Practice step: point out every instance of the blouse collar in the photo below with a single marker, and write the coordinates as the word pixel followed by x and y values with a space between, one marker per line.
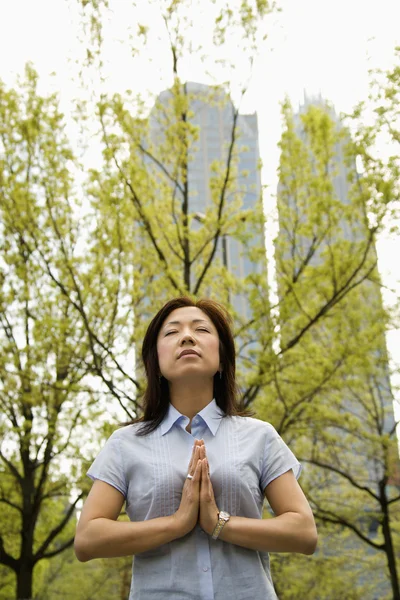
pixel 211 415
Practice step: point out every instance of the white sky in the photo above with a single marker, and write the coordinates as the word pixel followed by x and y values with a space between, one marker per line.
pixel 317 46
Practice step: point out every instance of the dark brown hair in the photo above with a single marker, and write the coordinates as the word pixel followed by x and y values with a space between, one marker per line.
pixel 156 396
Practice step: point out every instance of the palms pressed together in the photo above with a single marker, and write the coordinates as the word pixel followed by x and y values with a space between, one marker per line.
pixel 198 501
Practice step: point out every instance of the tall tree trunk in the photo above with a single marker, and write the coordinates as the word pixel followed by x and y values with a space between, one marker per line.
pixel 24 581
pixel 185 203
pixel 390 554
pixel 26 562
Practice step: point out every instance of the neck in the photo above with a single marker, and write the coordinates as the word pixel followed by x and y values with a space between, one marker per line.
pixel 189 397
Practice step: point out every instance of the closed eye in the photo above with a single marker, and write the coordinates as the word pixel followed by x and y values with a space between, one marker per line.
pixel 198 329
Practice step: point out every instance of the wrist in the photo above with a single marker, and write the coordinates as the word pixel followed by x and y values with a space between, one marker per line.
pixel 223 519
pixel 212 525
pixel 226 531
pixel 176 527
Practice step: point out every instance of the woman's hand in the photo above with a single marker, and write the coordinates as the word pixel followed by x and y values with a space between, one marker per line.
pixel 208 507
pixel 187 514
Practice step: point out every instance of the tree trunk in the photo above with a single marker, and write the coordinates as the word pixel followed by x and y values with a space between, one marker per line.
pixel 390 555
pixel 24 581
pixel 29 517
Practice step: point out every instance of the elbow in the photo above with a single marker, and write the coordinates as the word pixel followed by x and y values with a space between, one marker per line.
pixel 80 549
pixel 81 557
pixel 311 541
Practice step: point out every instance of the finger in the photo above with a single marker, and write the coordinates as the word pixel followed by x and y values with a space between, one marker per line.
pixel 207 477
pixel 204 475
pixel 204 458
pixel 197 473
pixel 193 459
pixel 210 485
pixel 202 478
pixel 196 459
pixel 204 451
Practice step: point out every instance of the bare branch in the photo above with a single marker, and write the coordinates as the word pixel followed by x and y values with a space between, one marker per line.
pixel 11 467
pixel 60 549
pixel 93 338
pixel 54 532
pixel 161 167
pixel 343 474
pixel 329 517
pixel 208 241
pixel 393 500
pixel 4 500
pixel 221 202
pixel 10 336
pixel 335 298
pixel 6 559
pixel 137 203
pixel 165 237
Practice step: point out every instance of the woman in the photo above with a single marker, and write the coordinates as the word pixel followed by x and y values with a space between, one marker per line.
pixel 194 473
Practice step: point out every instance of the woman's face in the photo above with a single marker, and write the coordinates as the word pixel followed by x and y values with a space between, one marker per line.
pixel 188 345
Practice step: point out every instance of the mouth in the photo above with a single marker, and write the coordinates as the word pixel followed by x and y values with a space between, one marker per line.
pixel 188 353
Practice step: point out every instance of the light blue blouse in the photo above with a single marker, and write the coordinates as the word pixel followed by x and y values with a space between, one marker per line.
pixel 244 455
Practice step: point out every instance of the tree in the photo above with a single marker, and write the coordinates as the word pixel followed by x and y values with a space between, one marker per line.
pixel 44 354
pixel 331 392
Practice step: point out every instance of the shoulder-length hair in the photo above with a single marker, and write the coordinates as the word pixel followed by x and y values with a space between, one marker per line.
pixel 156 396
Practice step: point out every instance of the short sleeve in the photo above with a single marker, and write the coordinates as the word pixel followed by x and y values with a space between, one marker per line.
pixel 108 466
pixel 277 460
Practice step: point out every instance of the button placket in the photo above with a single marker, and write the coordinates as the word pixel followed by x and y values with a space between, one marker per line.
pixel 204 565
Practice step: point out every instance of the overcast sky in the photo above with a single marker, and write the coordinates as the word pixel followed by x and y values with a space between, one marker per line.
pixel 314 46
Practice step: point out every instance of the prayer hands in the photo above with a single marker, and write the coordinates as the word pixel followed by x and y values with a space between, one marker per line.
pixel 187 514
pixel 208 516
pixel 198 501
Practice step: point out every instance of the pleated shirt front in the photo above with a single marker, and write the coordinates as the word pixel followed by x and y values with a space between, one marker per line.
pixel 244 455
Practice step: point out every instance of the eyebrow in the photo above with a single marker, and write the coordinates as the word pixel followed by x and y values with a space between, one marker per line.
pixel 193 321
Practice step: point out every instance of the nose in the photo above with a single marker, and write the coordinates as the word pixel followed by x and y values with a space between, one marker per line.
pixel 187 338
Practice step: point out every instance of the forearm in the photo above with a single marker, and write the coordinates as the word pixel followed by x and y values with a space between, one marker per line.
pixel 105 538
pixel 289 532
